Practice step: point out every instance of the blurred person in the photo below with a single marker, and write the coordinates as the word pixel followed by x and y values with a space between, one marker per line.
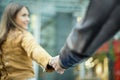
pixel 100 23
pixel 18 47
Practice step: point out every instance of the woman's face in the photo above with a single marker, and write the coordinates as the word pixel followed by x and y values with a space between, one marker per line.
pixel 22 18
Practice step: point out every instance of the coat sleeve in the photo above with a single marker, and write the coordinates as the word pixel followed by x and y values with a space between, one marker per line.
pixel 81 39
pixel 36 52
pixel 72 51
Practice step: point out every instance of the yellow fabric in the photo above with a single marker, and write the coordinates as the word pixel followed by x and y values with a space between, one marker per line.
pixel 18 51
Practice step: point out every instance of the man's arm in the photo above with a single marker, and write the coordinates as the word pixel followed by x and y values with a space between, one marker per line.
pixel 83 34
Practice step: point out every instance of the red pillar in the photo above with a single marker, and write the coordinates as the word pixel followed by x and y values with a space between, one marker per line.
pixel 116 48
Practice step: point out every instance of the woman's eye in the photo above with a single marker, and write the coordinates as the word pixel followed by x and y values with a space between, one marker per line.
pixel 24 15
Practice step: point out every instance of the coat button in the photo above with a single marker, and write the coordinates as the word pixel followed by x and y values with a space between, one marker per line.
pixel 1 66
pixel 6 63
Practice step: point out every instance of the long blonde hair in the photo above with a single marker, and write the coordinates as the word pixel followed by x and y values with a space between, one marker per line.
pixel 8 20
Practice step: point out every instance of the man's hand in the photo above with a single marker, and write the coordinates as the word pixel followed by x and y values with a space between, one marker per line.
pixel 54 62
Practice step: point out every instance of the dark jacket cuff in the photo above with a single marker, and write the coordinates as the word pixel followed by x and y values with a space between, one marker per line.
pixel 70 58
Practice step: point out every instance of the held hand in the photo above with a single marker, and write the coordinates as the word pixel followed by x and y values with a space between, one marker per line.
pixel 54 62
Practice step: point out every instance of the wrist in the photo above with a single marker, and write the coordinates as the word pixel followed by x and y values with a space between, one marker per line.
pixel 61 65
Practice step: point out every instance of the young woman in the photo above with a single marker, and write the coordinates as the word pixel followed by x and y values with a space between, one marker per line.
pixel 18 47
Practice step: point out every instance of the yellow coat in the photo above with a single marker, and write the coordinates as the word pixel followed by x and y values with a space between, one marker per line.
pixel 18 51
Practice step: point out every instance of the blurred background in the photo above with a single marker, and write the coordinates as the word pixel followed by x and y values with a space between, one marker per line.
pixel 51 21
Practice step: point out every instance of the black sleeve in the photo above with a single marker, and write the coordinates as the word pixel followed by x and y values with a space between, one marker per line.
pixel 84 33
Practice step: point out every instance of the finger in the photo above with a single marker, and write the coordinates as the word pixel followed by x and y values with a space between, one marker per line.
pixel 52 61
pixel 60 71
pixel 54 66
